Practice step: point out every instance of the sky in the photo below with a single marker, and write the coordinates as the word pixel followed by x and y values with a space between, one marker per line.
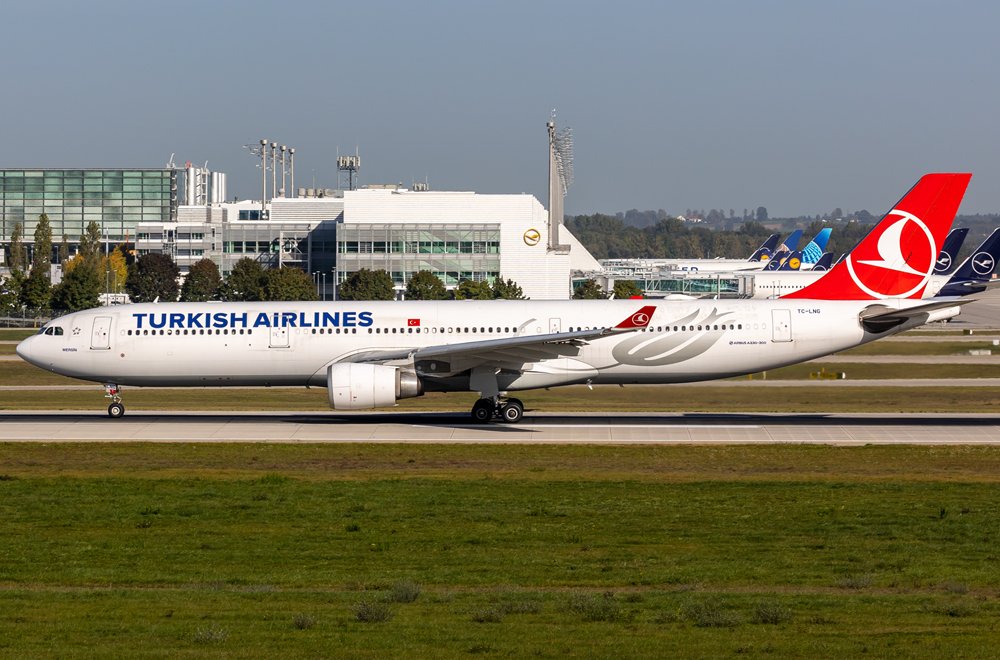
pixel 794 105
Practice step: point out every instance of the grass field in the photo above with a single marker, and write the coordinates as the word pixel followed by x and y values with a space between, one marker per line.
pixel 434 551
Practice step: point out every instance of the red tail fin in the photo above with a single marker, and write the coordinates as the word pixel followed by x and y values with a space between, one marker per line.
pixel 638 320
pixel 897 257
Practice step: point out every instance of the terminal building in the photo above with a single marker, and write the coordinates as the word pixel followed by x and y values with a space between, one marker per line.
pixel 329 234
pixel 116 199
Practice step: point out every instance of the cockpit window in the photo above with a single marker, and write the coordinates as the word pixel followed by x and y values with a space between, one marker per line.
pixel 53 330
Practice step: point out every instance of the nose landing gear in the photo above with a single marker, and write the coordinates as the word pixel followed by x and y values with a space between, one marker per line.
pixel 508 410
pixel 116 409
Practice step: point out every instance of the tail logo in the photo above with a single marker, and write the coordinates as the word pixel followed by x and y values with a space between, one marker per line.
pixel 944 262
pixel 983 263
pixel 904 259
pixel 640 318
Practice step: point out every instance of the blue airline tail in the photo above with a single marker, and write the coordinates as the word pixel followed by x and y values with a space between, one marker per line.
pixel 975 273
pixel 824 262
pixel 814 249
pixel 793 262
pixel 766 249
pixel 952 244
pixel 790 245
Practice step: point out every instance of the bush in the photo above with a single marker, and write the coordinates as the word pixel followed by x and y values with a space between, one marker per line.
pixel 487 615
pixel 210 635
pixel 862 581
pixel 772 613
pixel 372 611
pixel 404 592
pixel 303 622
pixel 710 614
pixel 596 608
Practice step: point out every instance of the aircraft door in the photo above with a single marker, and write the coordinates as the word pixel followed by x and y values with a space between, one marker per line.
pixel 781 325
pixel 555 325
pixel 279 337
pixel 100 337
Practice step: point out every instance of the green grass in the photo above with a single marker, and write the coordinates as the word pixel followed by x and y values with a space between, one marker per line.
pixel 246 550
pixel 9 334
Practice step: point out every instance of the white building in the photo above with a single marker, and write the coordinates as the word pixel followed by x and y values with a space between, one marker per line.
pixel 455 235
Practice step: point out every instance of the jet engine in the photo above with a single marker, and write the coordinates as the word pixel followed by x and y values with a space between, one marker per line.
pixel 357 386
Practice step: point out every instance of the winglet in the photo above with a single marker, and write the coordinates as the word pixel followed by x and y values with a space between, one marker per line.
pixel 897 257
pixel 638 320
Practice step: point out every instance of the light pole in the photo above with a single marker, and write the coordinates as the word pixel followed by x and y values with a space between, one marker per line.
pixel 323 293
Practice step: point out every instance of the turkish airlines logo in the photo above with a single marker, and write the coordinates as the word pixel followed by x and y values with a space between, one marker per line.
pixel 640 318
pixel 983 263
pixel 899 263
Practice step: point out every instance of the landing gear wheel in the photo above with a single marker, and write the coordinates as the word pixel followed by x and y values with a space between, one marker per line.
pixel 116 410
pixel 512 411
pixel 482 411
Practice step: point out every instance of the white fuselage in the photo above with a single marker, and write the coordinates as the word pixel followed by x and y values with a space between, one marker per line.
pixel 292 343
pixel 774 284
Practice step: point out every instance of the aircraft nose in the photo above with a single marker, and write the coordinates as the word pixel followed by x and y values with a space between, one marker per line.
pixel 24 349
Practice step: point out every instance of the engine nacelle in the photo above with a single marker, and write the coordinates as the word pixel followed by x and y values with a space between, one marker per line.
pixel 356 386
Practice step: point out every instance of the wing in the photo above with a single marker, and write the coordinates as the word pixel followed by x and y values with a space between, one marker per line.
pixel 504 353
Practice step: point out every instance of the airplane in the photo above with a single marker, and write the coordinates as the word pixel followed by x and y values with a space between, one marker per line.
pixel 973 275
pixel 372 354
pixel 787 247
pixel 766 249
pixel 952 246
pixel 755 261
pixel 813 250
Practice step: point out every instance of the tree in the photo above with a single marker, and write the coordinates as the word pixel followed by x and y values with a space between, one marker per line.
pixel 152 276
pixel 507 290
pixel 17 258
pixel 245 282
pixel 367 285
pixel 37 289
pixel 625 289
pixel 588 290
pixel 115 269
pixel 80 287
pixel 761 214
pixel 288 283
pixel 90 242
pixel 471 290
pixel 202 282
pixel 63 250
pixel 10 289
pixel 425 285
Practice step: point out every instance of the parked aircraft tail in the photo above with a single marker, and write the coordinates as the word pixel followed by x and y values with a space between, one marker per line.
pixel 793 262
pixel 952 245
pixel 976 272
pixel 824 263
pixel 766 249
pixel 896 258
pixel 814 248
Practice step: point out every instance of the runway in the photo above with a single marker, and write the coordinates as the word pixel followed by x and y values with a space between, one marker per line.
pixel 536 428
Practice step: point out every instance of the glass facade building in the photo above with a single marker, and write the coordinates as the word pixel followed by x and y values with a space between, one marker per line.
pixel 453 252
pixel 116 199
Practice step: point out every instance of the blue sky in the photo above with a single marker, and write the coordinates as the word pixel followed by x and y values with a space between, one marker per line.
pixel 797 106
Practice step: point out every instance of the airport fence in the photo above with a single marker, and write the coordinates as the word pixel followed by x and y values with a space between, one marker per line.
pixel 27 318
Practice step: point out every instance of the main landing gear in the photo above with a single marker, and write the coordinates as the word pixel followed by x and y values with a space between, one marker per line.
pixel 113 392
pixel 507 410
